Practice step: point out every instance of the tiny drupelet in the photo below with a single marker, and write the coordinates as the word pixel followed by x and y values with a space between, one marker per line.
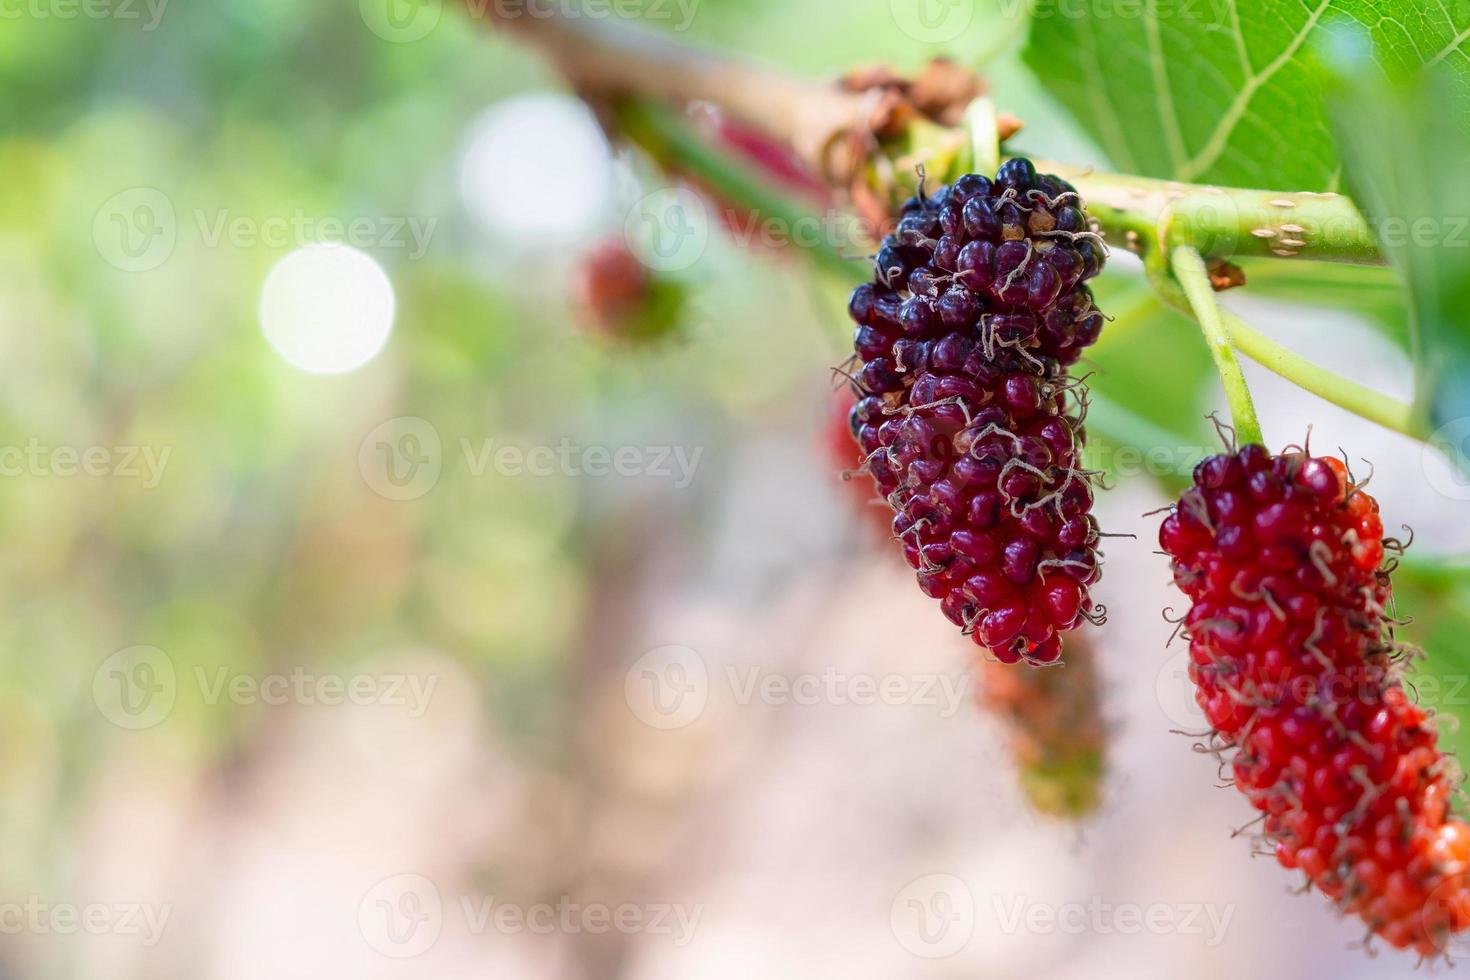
pixel 1296 669
pixel 976 310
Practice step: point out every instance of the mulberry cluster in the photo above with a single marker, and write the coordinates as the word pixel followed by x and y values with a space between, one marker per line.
pixel 977 308
pixel 1296 670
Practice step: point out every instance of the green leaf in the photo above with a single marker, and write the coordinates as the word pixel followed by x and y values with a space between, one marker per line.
pixel 1405 165
pixel 1435 596
pixel 1227 91
pixel 1372 292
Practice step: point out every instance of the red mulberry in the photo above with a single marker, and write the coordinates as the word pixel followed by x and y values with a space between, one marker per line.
pixel 976 310
pixel 1296 670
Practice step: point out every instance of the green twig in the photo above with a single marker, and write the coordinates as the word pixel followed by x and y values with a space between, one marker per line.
pixel 1342 392
pixel 1143 214
pixel 984 126
pixel 665 136
pixel 1192 276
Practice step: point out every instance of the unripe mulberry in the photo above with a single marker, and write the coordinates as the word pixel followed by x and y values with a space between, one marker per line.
pixel 1292 653
pixel 977 307
pixel 620 298
pixel 1057 732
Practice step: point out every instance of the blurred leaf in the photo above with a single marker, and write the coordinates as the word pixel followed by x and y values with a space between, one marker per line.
pixel 1405 150
pixel 1136 406
pixel 1435 597
pixel 1374 292
pixel 902 33
pixel 1225 92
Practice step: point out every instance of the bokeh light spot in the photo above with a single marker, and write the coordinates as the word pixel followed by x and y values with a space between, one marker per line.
pixel 327 308
pixel 537 167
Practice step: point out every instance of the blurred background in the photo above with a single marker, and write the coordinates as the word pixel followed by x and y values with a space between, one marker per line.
pixel 377 603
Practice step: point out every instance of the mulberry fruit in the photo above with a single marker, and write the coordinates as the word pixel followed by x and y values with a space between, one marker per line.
pixel 977 308
pixel 1057 732
pixel 1296 669
pixel 621 299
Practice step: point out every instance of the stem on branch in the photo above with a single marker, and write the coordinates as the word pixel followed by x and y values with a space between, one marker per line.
pixel 1141 213
pixel 671 141
pixel 984 126
pixel 1190 272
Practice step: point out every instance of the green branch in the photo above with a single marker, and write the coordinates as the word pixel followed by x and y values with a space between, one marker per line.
pixel 668 139
pixel 1194 279
pixel 1145 215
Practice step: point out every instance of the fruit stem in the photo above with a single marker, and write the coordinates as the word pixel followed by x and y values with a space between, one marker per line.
pixel 984 127
pixel 1190 272
pixel 1342 392
pixel 673 143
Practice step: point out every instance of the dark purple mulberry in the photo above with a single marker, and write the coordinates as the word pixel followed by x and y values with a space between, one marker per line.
pixel 976 310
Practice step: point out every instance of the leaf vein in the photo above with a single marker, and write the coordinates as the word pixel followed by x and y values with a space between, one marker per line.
pixel 1449 49
pixel 1210 152
pixel 1163 92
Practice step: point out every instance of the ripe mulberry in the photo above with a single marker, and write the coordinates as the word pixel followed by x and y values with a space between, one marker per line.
pixel 1296 669
pixel 977 308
